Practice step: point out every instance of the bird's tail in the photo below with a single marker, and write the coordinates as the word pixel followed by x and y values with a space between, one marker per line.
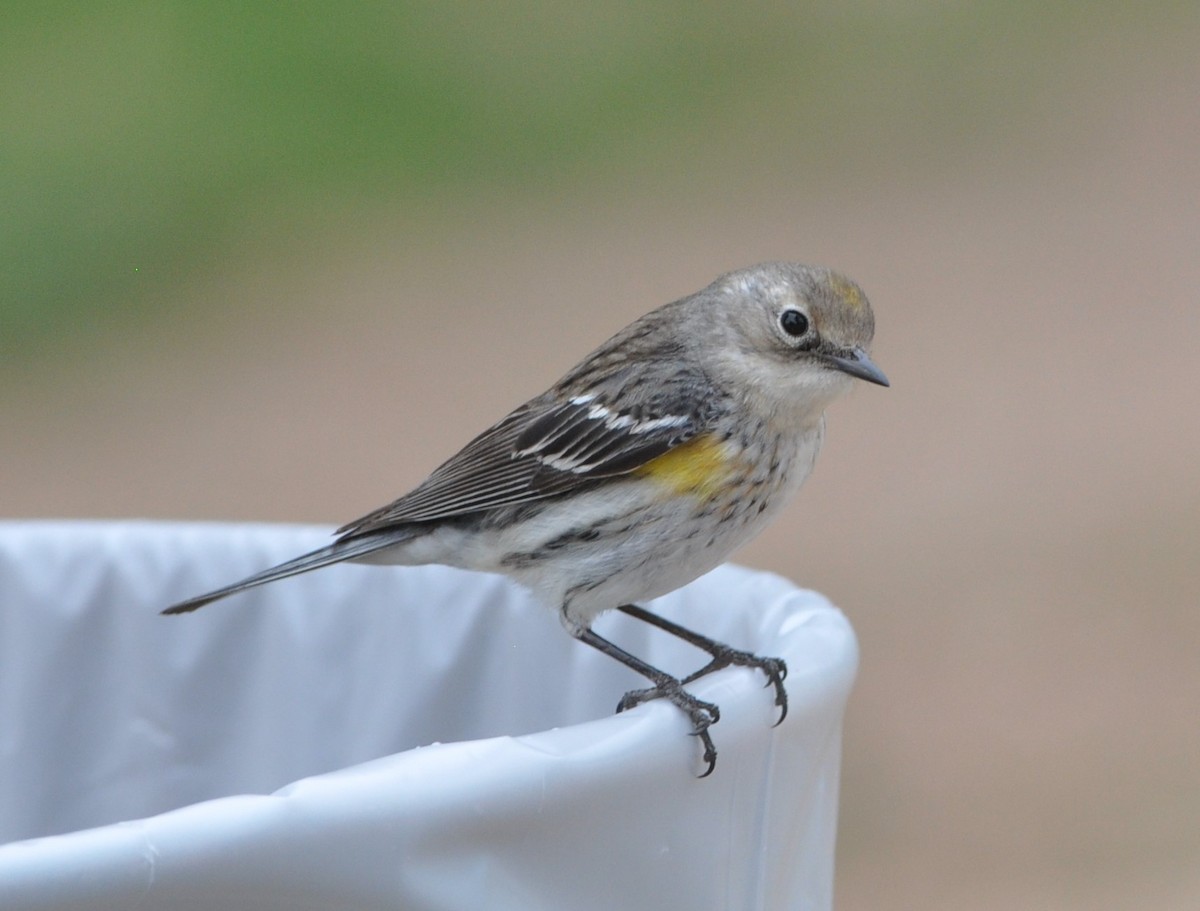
pixel 337 552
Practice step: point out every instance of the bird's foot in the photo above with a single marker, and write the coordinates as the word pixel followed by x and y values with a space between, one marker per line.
pixel 774 668
pixel 702 714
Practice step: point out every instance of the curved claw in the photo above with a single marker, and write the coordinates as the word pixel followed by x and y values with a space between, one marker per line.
pixel 710 752
pixel 722 656
pixel 702 714
pixel 634 698
pixel 783 709
pixel 776 671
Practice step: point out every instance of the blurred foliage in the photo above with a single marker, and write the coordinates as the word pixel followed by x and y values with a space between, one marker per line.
pixel 139 138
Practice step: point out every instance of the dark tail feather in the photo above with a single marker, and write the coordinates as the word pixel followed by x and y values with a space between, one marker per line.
pixel 337 552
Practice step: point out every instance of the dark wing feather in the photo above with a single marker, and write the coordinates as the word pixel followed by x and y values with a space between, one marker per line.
pixel 483 474
pixel 553 445
pixel 588 438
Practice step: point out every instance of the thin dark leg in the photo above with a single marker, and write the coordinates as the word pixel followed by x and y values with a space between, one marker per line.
pixel 722 655
pixel 702 714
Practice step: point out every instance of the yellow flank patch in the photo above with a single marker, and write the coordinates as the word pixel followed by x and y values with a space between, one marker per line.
pixel 699 466
pixel 846 290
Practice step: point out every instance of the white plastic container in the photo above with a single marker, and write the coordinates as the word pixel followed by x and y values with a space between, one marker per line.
pixel 384 738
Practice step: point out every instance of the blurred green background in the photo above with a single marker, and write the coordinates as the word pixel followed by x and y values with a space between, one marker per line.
pixel 143 142
pixel 277 261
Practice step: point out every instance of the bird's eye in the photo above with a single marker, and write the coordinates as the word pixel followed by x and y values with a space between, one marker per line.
pixel 793 322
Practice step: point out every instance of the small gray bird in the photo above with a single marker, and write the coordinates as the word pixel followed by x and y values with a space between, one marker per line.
pixel 666 448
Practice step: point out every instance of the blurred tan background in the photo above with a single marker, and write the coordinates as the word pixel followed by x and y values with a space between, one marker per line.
pixel 278 268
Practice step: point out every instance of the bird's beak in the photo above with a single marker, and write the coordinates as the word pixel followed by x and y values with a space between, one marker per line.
pixel 856 363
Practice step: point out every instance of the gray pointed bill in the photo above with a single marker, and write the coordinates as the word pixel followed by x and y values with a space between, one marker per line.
pixel 856 363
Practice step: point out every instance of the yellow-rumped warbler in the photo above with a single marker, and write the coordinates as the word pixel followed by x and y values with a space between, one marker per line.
pixel 666 448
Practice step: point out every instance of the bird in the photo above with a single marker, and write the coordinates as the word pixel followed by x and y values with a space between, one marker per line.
pixel 659 454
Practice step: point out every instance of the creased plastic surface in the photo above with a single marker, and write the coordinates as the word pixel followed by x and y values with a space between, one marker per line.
pixel 370 738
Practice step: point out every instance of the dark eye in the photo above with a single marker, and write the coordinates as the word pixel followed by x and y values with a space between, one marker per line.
pixel 793 322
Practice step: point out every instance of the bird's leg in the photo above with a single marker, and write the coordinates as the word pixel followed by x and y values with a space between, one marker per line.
pixel 702 714
pixel 722 655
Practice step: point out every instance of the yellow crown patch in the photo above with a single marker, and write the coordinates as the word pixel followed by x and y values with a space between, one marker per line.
pixel 851 296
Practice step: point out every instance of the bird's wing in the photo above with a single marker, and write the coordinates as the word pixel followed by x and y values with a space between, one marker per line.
pixel 552 445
